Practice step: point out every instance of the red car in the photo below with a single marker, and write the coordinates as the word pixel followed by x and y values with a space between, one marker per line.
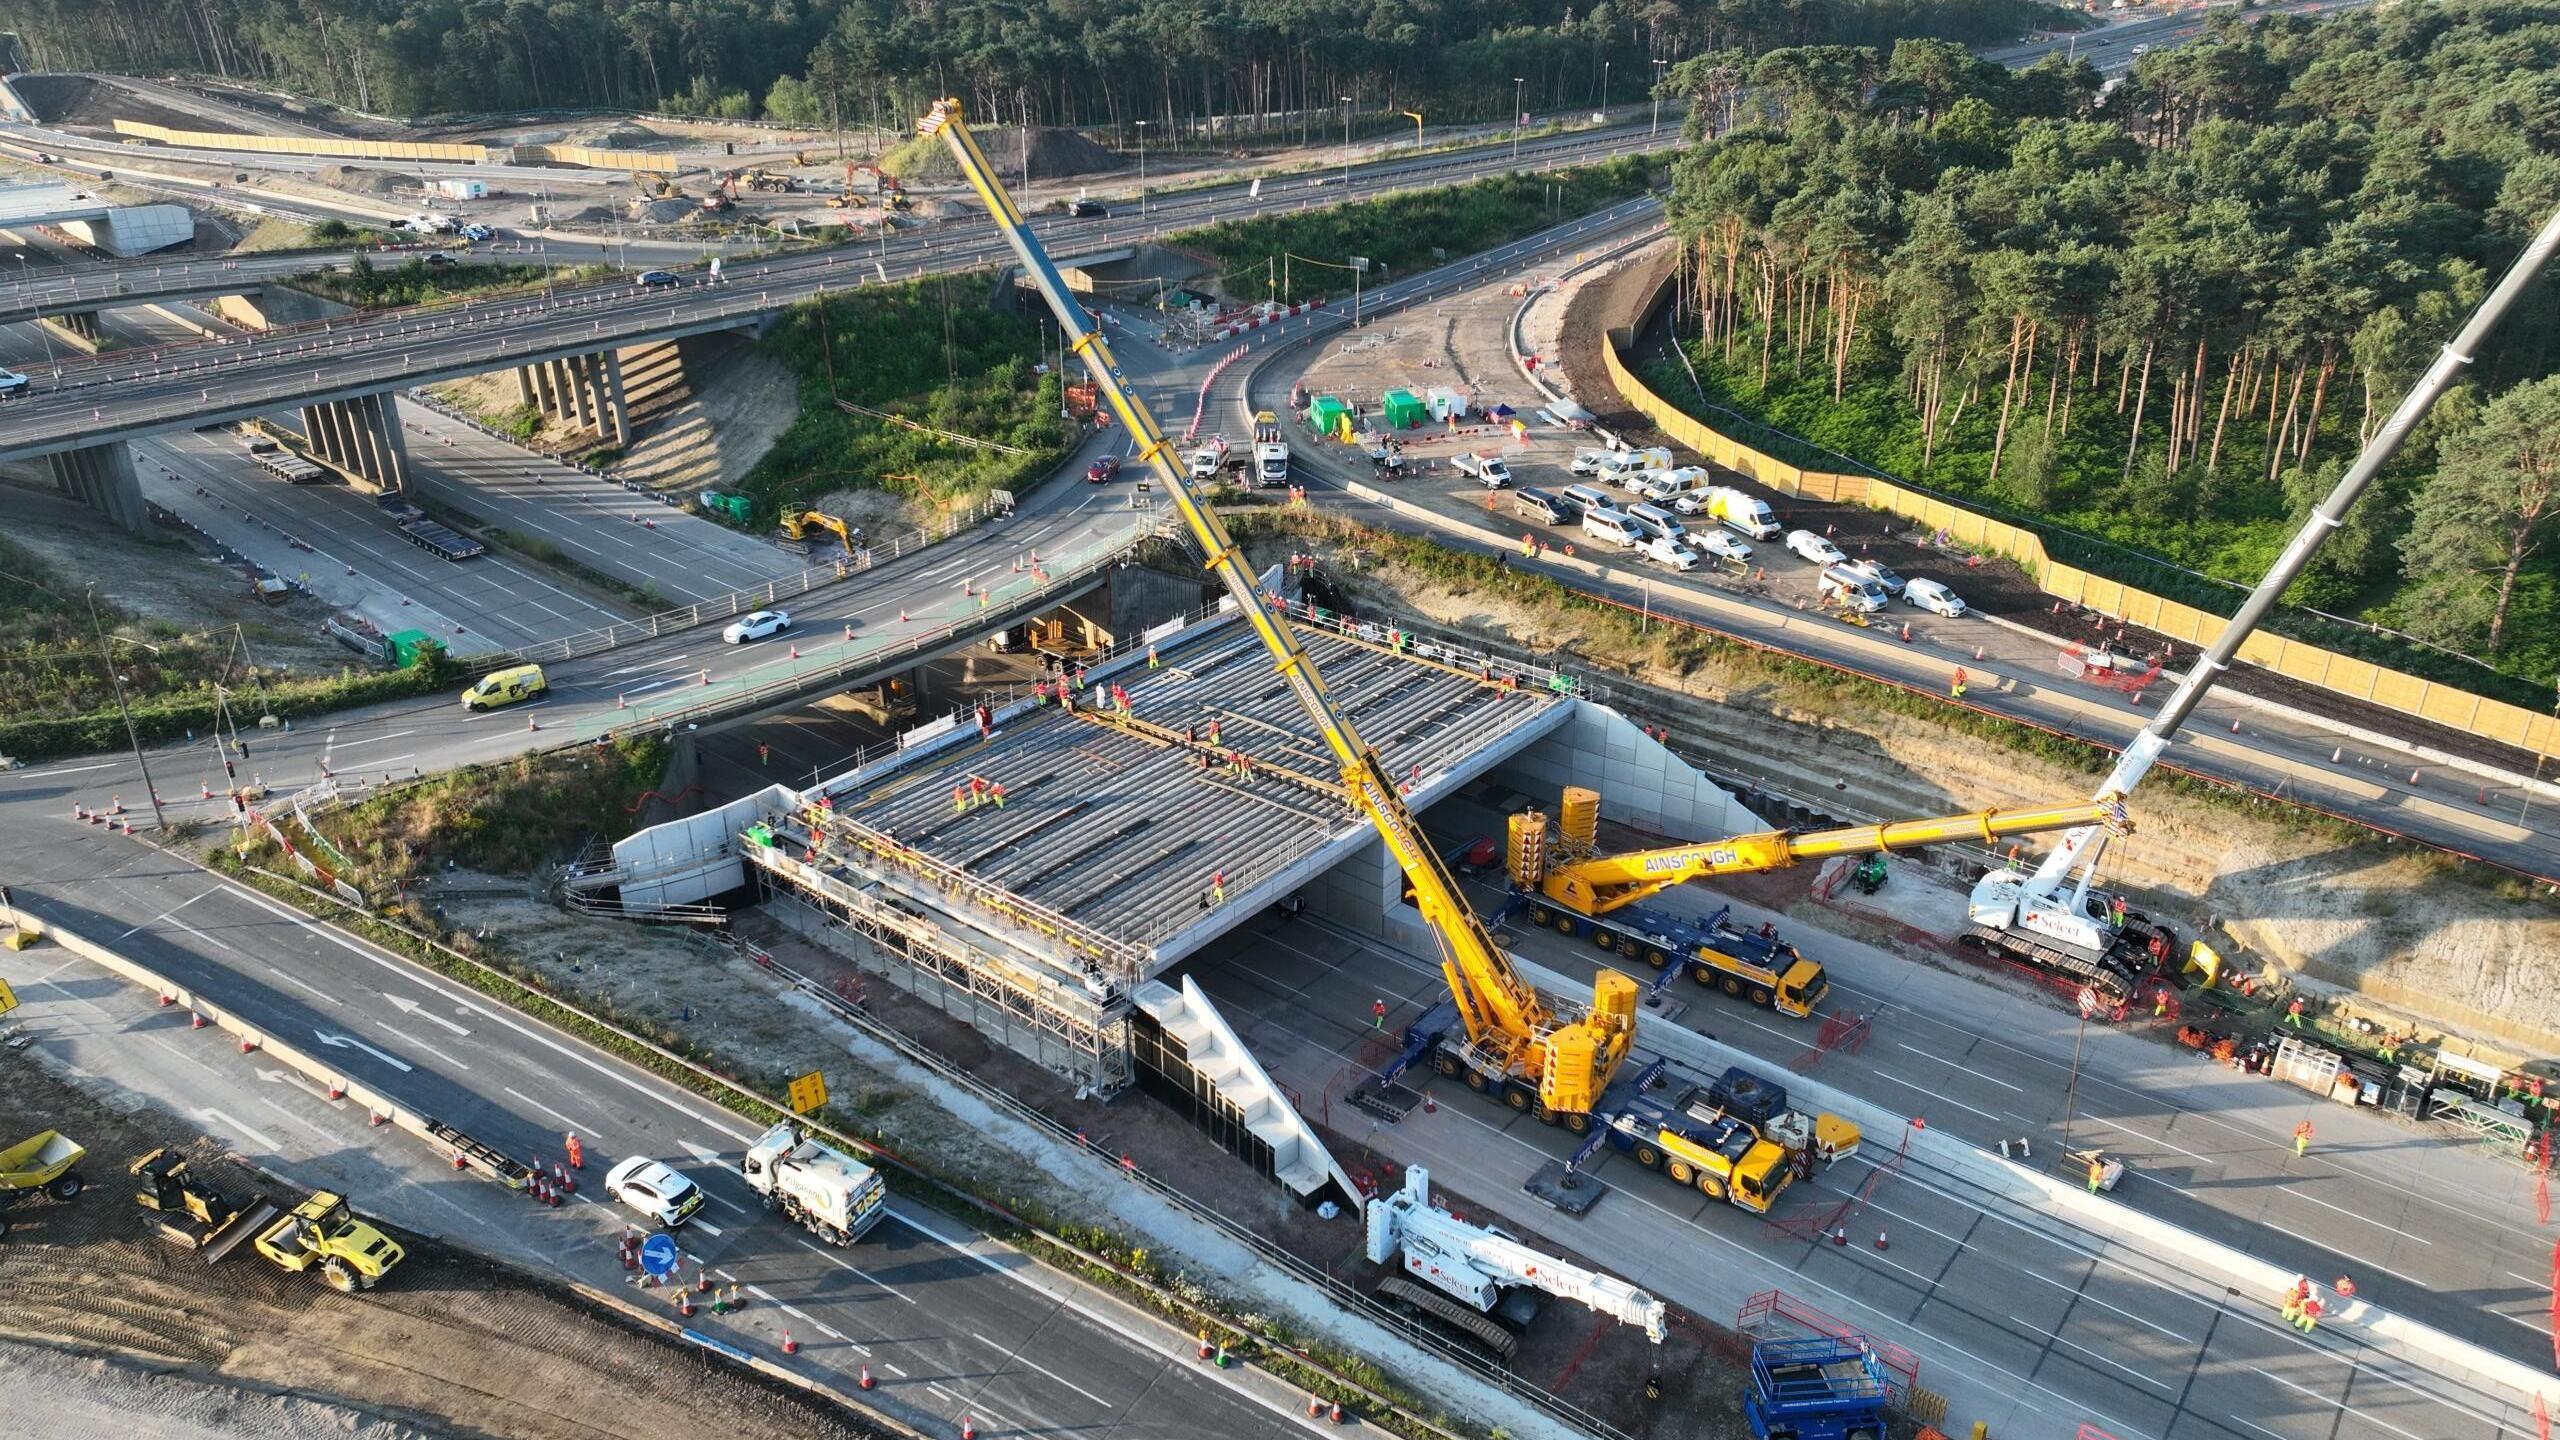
pixel 1102 469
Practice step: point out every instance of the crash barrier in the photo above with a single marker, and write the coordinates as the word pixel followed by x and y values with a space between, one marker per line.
pixel 302 145
pixel 1200 406
pixel 2428 700
pixel 469 1154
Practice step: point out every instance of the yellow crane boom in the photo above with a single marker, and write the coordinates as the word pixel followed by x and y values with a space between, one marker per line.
pixel 1598 886
pixel 1568 1060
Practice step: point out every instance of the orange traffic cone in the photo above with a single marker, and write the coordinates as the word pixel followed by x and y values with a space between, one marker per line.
pixel 1880 1240
pixel 789 1345
pixel 866 1382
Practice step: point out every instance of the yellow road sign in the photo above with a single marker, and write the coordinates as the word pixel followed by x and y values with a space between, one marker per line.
pixel 8 998
pixel 808 1092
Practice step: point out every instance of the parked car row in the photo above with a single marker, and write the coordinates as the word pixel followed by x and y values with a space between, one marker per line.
pixel 1646 519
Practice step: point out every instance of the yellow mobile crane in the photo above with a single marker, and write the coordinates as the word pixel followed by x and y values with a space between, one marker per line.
pixel 1599 895
pixel 1542 1054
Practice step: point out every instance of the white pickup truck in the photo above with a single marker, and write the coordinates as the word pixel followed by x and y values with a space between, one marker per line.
pixel 1488 470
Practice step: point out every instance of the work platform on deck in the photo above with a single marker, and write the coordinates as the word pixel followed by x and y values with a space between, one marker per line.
pixel 1121 830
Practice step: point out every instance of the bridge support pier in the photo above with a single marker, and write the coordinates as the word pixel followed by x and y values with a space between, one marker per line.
pixel 77 329
pixel 584 391
pixel 102 478
pixel 361 439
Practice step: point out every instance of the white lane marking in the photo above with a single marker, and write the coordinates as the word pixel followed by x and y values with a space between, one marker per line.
pixel 209 940
pixel 575 1124
pixel 411 974
pixel 2103 1360
pixel 843 1264
pixel 706 1227
pixel 2336 1404
pixel 2369 1220
pixel 1932 1094
pixel 343 1042
pixel 1969 1070
pixel 375 740
pixel 2082 1292
pixel 719 1199
pixel 2538 1327
pixel 416 1011
pixel 163 915
pixel 893 1369
pixel 1019 1358
pixel 423 1045
pixel 69 770
pixel 301 984
pixel 209 1113
pixel 804 1317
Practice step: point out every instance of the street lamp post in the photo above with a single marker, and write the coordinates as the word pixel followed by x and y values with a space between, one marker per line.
pixel 1142 167
pixel 1658 67
pixel 159 820
pixel 1519 117
pixel 1604 87
pixel 1416 117
pixel 1346 142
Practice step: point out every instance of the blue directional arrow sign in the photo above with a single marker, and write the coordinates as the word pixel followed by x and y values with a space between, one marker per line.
pixel 658 1254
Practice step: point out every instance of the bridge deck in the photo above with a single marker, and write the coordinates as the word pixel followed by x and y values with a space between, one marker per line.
pixel 1123 831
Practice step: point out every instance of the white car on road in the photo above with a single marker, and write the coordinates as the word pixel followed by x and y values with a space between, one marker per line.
pixel 653 1188
pixel 756 626
pixel 1814 548
pixel 1722 544
pixel 11 382
pixel 1933 597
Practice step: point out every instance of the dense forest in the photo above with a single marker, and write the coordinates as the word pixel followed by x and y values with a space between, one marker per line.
pixel 2166 311
pixel 1179 64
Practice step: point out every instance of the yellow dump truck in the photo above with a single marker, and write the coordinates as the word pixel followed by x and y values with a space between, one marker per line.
pixel 43 1164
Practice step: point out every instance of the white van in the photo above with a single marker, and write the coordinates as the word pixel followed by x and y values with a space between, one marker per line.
pixel 1625 467
pixel 1852 589
pixel 1589 497
pixel 1664 486
pixel 1587 461
pixel 1654 520
pixel 1613 526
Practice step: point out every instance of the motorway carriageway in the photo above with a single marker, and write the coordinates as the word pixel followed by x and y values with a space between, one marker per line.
pixel 950 1322
pixel 2032 1323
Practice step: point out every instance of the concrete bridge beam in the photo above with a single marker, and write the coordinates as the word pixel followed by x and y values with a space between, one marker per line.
pixel 102 477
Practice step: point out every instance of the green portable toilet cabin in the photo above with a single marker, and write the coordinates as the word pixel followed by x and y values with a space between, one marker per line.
pixel 1329 415
pixel 1404 409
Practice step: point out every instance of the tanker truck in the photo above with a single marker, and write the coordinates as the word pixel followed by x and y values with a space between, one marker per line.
pixel 836 1196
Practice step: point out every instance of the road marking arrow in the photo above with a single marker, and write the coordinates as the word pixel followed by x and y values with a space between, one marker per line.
pixel 346 1041
pixel 243 1131
pixel 702 1153
pixel 407 1006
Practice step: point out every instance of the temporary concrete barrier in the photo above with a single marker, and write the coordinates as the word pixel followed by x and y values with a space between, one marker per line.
pixel 2424 1346
pixel 250 1036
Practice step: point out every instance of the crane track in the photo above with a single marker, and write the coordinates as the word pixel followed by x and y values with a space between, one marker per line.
pixel 1488 1335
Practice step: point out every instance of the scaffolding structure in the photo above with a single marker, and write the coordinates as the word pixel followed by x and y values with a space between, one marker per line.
pixel 1077 1030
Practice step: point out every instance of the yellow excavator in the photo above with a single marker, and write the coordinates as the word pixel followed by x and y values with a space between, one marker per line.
pixel 797 524
pixel 1560 883
pixel 1541 1053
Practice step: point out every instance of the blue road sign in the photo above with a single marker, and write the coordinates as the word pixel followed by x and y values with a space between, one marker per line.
pixel 658 1254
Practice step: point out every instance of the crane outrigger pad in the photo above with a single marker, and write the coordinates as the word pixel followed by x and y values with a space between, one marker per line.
pixel 1574 1194
pixel 1390 1102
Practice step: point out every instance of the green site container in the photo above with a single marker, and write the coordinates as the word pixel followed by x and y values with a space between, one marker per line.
pixel 404 648
pixel 1329 415
pixel 736 507
pixel 1404 409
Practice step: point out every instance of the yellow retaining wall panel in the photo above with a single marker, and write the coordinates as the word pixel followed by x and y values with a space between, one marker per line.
pixel 295 145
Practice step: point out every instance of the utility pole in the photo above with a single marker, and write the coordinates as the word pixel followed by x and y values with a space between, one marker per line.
pixel 1658 67
pixel 1519 117
pixel 1142 167
pixel 159 820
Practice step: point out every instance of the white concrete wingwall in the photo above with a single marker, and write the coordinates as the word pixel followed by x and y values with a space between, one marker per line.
pixel 687 861
pixel 1641 783
pixel 1299 1158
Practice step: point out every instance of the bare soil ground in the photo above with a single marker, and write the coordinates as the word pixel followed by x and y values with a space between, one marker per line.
pixel 704 424
pixel 171 582
pixel 2376 929
pixel 449 1345
pixel 1999 588
pixel 81 103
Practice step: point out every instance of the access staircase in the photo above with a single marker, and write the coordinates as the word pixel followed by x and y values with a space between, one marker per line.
pixel 1299 1159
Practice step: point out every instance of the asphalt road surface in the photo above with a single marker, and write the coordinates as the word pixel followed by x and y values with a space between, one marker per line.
pixel 951 1322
